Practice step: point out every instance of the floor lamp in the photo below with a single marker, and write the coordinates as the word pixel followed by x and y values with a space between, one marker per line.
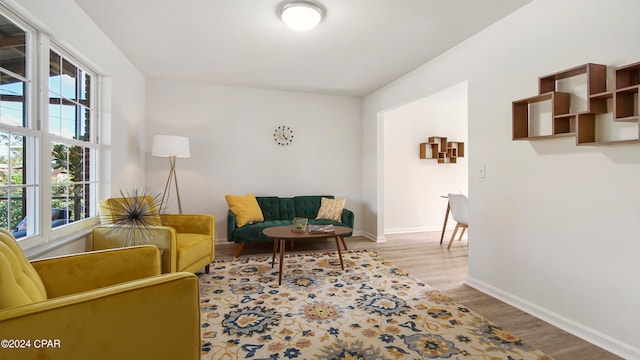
pixel 172 147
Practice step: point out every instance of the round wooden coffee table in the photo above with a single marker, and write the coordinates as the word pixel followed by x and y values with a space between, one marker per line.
pixel 280 235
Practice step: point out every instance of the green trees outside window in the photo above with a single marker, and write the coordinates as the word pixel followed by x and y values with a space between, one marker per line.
pixel 12 197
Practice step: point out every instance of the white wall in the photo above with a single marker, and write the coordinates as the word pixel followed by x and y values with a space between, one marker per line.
pixel 233 151
pixel 412 186
pixel 555 226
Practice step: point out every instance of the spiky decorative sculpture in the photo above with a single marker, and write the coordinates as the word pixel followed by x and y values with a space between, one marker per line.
pixel 134 216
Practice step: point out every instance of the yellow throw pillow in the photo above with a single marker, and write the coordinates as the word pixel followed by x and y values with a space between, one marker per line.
pixel 331 209
pixel 245 208
pixel 105 213
pixel 144 205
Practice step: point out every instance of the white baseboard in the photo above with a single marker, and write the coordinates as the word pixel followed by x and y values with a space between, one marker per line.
pixel 595 337
pixel 414 230
pixel 370 236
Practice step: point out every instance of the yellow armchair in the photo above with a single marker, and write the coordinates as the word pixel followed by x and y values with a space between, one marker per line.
pixel 110 304
pixel 187 241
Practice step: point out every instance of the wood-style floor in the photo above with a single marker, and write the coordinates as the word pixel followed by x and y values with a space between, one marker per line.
pixel 422 256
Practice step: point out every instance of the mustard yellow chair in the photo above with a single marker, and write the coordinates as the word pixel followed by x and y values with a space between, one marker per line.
pixel 187 240
pixel 111 304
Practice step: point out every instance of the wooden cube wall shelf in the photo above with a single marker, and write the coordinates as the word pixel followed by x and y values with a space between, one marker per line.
pixel 440 149
pixel 588 126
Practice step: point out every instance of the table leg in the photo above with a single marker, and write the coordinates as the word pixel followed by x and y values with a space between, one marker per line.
pixel 282 245
pixel 339 252
pixel 275 248
pixel 446 217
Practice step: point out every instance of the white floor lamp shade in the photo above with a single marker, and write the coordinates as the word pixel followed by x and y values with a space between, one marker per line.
pixel 173 147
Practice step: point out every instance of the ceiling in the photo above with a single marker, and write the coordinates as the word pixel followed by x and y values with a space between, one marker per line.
pixel 360 46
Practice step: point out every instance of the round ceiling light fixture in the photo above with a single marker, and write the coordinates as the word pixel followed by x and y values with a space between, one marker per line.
pixel 301 15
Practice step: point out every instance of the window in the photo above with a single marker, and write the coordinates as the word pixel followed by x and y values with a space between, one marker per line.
pixel 73 149
pixel 48 148
pixel 18 189
pixel 18 184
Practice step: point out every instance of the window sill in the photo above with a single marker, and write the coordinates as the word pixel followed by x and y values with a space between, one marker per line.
pixel 39 250
pixel 69 235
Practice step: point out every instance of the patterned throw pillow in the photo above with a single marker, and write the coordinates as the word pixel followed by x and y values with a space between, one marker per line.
pixel 331 209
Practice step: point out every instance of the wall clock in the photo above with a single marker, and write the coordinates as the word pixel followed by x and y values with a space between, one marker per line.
pixel 283 135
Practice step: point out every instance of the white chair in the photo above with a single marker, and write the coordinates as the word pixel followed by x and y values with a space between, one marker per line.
pixel 460 212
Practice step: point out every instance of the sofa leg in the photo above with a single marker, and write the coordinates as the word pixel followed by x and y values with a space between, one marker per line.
pixel 239 249
pixel 206 268
pixel 344 243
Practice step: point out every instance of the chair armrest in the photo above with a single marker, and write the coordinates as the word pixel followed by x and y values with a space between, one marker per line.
pixel 348 218
pixel 189 223
pixel 231 225
pixel 164 237
pixel 96 269
pixel 152 318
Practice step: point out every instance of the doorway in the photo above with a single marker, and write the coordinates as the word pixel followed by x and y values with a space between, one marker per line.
pixel 413 187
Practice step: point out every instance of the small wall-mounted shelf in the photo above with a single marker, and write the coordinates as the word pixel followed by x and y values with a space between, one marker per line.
pixel 590 124
pixel 625 99
pixel 560 115
pixel 440 149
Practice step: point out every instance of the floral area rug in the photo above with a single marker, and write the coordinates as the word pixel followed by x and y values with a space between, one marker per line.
pixel 369 310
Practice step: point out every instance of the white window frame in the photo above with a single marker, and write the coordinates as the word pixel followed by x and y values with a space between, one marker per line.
pixel 30 129
pixel 37 126
pixel 92 143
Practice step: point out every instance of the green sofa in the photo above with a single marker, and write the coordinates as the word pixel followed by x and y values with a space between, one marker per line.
pixel 279 211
